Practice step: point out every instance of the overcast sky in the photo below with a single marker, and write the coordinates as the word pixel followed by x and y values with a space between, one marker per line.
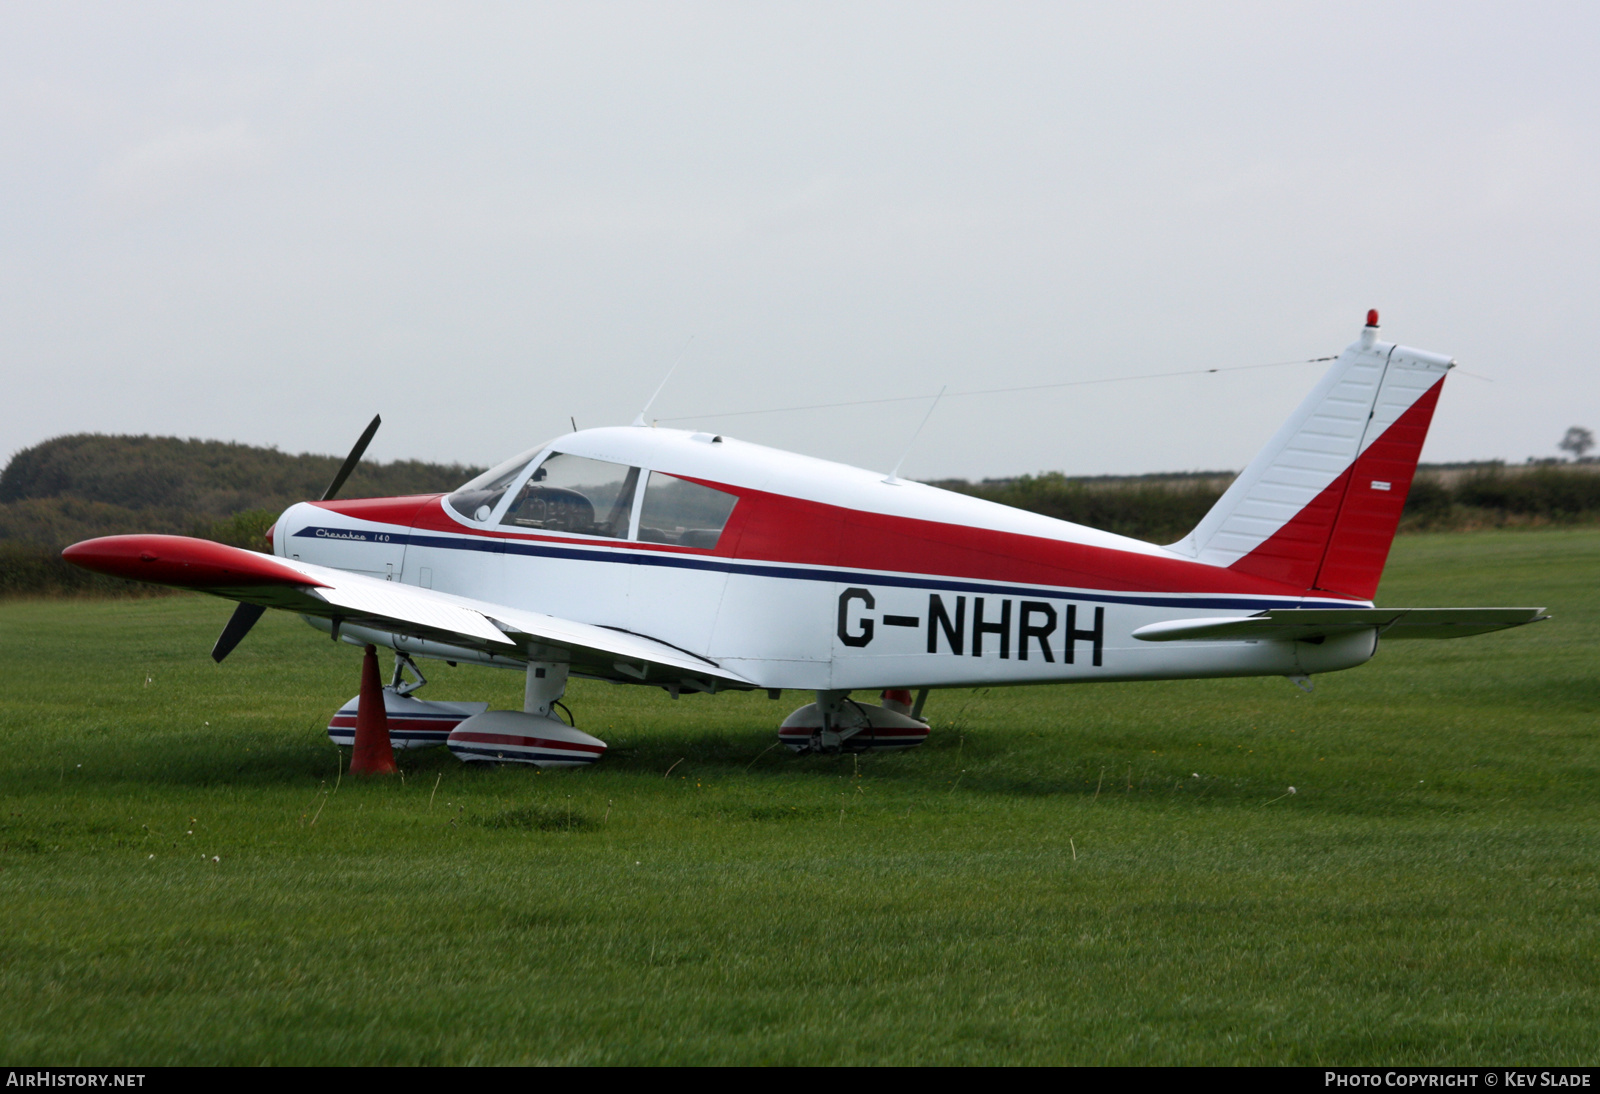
pixel 266 222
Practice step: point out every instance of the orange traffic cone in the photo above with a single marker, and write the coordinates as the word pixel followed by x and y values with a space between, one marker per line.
pixel 372 754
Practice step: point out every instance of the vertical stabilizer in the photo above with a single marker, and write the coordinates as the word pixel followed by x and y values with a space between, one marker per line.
pixel 1318 506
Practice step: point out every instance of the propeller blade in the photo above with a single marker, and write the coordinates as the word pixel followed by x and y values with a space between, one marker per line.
pixel 239 623
pixel 351 460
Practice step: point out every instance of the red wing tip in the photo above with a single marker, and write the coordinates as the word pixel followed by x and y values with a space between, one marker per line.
pixel 182 562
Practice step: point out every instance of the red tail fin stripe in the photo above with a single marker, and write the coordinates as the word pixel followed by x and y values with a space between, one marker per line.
pixel 1340 541
pixel 1293 553
pixel 1374 500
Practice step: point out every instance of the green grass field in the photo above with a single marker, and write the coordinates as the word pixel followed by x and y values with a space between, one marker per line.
pixel 1112 874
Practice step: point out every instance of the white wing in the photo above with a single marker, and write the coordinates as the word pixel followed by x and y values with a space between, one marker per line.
pixel 435 616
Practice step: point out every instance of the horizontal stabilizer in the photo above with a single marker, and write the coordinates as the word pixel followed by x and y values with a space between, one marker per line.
pixel 1305 624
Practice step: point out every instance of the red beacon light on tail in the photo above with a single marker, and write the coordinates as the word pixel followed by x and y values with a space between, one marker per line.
pixel 1372 317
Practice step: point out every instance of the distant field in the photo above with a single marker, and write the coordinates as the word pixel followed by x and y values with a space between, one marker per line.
pixel 1112 874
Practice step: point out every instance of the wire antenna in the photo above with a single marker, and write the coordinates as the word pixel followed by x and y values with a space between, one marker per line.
pixel 999 390
pixel 640 419
pixel 894 476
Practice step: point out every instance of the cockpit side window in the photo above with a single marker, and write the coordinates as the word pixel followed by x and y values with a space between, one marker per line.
pixel 576 494
pixel 682 512
pixel 476 500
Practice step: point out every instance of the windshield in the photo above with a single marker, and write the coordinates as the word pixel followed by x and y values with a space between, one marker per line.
pixel 477 498
pixel 576 494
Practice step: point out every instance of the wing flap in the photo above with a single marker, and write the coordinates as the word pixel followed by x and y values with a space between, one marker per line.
pixel 384 601
pixel 1305 624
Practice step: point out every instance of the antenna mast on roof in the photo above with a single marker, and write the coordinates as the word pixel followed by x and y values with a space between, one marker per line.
pixel 640 419
pixel 894 476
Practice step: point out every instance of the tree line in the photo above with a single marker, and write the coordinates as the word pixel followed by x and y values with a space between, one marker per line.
pixel 86 485
pixel 90 484
pixel 1449 497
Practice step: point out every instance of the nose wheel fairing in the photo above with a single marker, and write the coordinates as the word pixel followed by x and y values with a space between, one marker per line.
pixel 413 723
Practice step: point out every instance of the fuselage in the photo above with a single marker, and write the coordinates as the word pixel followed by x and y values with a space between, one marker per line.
pixel 796 572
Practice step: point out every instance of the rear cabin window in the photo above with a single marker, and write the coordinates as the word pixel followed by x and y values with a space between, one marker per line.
pixel 576 494
pixel 684 513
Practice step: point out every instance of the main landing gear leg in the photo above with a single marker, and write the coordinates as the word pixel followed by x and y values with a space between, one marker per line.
pixel 547 683
pixel 832 736
pixel 916 708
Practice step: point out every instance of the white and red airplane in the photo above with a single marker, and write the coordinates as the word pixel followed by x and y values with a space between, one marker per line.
pixel 692 561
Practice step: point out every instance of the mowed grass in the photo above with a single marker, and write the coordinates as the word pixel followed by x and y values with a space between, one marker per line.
pixel 1111 874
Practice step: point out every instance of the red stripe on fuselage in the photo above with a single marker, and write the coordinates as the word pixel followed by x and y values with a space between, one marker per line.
pixel 400 511
pixel 785 529
pixel 776 528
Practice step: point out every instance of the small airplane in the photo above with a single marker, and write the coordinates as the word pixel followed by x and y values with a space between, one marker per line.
pixel 691 561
